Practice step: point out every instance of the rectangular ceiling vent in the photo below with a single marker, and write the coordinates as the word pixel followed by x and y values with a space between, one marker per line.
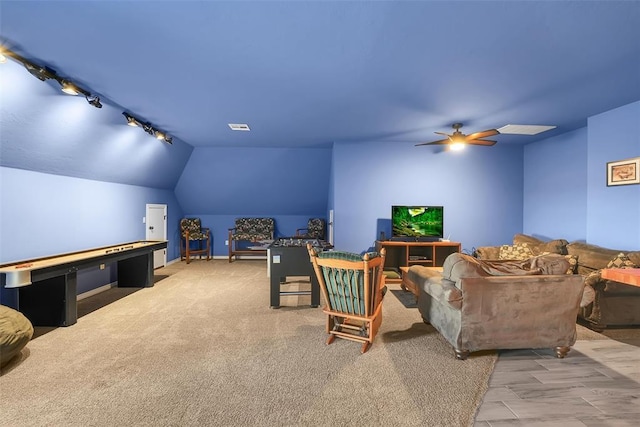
pixel 524 129
pixel 239 126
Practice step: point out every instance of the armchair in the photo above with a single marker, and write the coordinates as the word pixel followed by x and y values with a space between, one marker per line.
pixel 315 229
pixel 191 230
pixel 353 289
pixel 485 305
pixel 250 230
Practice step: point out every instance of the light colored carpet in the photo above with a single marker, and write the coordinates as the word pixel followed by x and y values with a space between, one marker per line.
pixel 626 334
pixel 202 347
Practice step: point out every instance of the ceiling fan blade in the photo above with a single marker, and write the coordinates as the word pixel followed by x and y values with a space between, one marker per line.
pixel 442 133
pixel 439 142
pixel 483 134
pixel 486 142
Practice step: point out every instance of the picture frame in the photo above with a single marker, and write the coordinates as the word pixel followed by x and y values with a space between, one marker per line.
pixel 623 172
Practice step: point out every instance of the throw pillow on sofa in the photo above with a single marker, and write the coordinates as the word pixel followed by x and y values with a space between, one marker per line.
pixel 537 246
pixel 621 261
pixel 515 252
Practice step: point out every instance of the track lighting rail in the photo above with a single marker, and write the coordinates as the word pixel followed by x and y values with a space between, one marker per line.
pixel 45 73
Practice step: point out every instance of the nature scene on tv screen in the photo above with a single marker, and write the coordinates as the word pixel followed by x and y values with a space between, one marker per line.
pixel 417 221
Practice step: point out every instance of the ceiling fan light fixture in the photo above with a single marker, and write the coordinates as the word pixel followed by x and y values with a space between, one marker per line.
pixel 457 138
pixel 457 146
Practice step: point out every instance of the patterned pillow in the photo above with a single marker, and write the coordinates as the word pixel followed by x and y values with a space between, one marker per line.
pixel 621 261
pixel 573 263
pixel 520 251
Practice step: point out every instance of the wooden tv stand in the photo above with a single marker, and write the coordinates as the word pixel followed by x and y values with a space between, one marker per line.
pixel 406 254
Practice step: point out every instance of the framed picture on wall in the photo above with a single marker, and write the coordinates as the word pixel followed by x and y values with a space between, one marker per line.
pixel 623 172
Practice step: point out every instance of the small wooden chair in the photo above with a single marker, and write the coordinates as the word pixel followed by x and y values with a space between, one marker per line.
pixel 191 230
pixel 353 289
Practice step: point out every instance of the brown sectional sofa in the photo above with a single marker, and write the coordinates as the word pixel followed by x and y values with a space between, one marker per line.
pixel 605 303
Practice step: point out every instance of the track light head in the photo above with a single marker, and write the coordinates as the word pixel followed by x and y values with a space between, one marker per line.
pixel 148 129
pixel 94 100
pixel 69 88
pixel 41 73
pixel 131 121
pixel 161 136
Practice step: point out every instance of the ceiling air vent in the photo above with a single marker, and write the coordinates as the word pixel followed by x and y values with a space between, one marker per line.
pixel 239 126
pixel 524 129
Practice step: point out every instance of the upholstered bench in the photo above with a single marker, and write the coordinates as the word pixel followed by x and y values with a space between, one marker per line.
pixel 15 332
pixel 252 230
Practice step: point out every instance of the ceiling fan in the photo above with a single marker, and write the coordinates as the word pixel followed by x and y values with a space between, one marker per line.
pixel 458 140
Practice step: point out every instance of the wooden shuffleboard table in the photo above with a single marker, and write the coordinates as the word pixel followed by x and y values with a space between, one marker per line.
pixel 46 288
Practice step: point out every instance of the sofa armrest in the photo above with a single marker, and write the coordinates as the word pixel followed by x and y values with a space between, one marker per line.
pixel 440 289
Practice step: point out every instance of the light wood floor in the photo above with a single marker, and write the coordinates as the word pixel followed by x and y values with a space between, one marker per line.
pixel 598 384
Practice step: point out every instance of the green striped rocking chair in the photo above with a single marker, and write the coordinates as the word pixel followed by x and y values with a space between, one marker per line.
pixel 353 289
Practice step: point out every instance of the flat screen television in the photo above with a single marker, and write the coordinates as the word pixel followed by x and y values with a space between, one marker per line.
pixel 417 222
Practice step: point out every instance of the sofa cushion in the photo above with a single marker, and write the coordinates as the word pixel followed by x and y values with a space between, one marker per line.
pixel 552 264
pixel 519 251
pixel 591 257
pixel 573 262
pixel 537 246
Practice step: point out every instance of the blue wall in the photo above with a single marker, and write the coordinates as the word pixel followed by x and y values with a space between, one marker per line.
pixel 566 195
pixel 221 184
pixel 44 130
pixel 555 187
pixel 613 213
pixel 45 214
pixel 480 189
pixel 255 181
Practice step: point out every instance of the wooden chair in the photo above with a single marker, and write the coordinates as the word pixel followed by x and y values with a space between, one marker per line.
pixel 353 289
pixel 191 230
